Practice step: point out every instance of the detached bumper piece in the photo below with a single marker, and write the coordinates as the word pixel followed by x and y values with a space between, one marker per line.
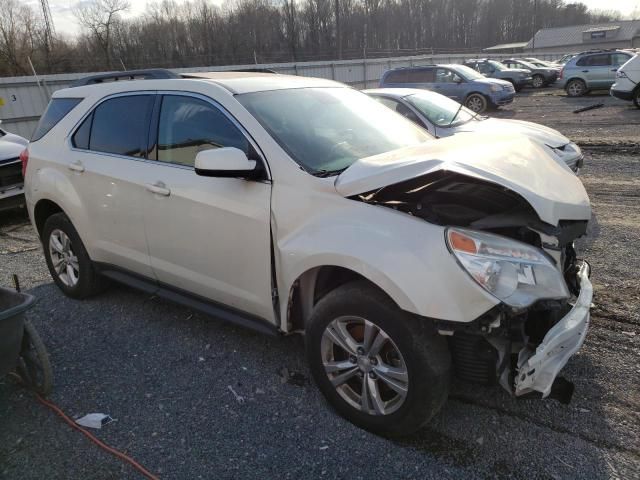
pixel 537 370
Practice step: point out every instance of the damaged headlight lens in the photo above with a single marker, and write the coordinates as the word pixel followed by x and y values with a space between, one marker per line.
pixel 514 272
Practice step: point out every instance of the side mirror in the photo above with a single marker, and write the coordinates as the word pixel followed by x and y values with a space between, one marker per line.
pixel 226 162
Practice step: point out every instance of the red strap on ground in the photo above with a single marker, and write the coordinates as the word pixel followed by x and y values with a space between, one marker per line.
pixel 97 441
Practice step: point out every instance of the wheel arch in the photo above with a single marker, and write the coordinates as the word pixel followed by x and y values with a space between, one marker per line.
pixel 42 210
pixel 313 284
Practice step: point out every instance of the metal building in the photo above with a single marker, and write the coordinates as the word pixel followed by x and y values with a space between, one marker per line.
pixel 578 38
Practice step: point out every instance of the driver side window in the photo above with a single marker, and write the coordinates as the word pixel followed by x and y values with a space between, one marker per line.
pixel 189 125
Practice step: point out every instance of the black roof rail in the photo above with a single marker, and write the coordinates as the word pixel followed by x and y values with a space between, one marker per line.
pixel 252 70
pixel 149 74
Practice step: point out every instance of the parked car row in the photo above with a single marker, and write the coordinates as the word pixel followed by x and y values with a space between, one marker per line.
pixel 292 204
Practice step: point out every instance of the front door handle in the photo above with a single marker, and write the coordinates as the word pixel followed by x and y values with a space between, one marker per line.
pixel 614 69
pixel 158 188
pixel 585 71
pixel 76 166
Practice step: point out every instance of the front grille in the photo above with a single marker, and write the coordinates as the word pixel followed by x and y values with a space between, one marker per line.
pixel 10 174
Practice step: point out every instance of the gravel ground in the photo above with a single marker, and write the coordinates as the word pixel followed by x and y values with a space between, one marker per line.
pixel 166 375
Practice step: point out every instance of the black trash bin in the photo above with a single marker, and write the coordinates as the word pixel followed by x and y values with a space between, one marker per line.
pixel 13 306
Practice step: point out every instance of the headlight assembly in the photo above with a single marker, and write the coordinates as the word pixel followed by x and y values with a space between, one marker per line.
pixel 496 88
pixel 514 272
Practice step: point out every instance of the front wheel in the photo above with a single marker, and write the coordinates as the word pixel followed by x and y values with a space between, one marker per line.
pixel 379 367
pixel 636 98
pixel 476 102
pixel 537 81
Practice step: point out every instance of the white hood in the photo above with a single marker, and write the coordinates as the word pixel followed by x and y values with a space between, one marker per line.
pixel 513 161
pixel 9 149
pixel 545 135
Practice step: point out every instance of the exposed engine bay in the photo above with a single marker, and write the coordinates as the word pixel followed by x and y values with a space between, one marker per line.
pixel 492 348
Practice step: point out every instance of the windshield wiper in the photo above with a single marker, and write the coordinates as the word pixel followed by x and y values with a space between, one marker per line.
pixel 455 116
pixel 327 173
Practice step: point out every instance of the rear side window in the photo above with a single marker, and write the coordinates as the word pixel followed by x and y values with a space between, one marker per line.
pixel 57 109
pixel 399 76
pixel 598 60
pixel 120 125
pixel 421 76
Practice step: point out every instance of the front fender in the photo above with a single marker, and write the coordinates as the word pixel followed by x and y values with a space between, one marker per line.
pixel 404 256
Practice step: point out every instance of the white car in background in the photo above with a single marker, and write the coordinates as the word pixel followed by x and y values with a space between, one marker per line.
pixel 300 205
pixel 444 117
pixel 11 183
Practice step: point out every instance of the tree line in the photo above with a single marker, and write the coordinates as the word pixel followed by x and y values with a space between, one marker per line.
pixel 199 33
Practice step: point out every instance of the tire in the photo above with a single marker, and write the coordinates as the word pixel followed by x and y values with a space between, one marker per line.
pixel 476 102
pixel 538 81
pixel 409 345
pixel 576 88
pixel 82 280
pixel 34 367
pixel 636 98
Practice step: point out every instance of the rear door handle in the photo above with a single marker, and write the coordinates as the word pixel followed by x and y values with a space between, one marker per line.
pixel 158 188
pixel 585 71
pixel 76 166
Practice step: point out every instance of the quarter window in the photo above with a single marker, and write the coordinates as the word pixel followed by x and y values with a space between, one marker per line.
pixel 189 125
pixel 57 109
pixel 120 125
pixel 420 76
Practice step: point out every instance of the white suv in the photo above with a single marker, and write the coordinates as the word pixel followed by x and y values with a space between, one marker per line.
pixel 294 204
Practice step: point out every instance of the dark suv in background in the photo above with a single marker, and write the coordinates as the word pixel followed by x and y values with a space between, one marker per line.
pixel 458 82
pixel 540 76
pixel 518 77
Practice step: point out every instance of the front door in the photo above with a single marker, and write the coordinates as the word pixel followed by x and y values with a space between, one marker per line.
pixel 208 236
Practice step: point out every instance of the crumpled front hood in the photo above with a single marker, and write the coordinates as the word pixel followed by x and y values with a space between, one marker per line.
pixel 511 160
pixel 545 135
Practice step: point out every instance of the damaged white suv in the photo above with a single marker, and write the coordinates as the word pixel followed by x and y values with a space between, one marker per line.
pixel 295 204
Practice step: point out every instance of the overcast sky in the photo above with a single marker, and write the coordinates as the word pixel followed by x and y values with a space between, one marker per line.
pixel 65 23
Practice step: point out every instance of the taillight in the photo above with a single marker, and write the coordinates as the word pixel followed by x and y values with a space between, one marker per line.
pixel 24 158
pixel 561 72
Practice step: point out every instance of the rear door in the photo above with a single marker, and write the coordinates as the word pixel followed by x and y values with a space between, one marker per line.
pixel 208 236
pixel 596 70
pixel 108 165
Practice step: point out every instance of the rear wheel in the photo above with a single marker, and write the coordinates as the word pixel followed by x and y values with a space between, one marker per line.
pixel 576 88
pixel 537 81
pixel 379 367
pixel 68 261
pixel 476 102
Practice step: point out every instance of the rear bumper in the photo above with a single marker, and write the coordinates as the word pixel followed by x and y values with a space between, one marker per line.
pixel 621 94
pixel 537 370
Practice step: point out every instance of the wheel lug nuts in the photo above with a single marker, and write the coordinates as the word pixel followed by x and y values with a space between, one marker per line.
pixel 373 361
pixel 353 359
pixel 372 375
pixel 360 351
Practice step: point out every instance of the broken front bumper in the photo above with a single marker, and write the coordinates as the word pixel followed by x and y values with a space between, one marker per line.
pixel 538 369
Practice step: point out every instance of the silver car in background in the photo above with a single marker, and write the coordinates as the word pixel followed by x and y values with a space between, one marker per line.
pixel 11 182
pixel 444 117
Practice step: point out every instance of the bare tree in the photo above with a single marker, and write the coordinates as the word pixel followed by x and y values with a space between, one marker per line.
pixel 100 17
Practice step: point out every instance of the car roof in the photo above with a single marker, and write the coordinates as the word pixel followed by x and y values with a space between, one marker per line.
pixel 234 82
pixel 430 65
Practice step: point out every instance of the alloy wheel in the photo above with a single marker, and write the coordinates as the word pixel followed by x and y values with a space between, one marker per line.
pixel 64 260
pixel 538 81
pixel 364 365
pixel 575 88
pixel 475 103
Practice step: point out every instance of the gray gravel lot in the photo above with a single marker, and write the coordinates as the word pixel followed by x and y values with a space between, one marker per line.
pixel 166 374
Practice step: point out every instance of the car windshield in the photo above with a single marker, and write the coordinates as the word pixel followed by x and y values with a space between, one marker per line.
pixel 497 65
pixel 440 110
pixel 468 73
pixel 325 130
pixel 523 64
